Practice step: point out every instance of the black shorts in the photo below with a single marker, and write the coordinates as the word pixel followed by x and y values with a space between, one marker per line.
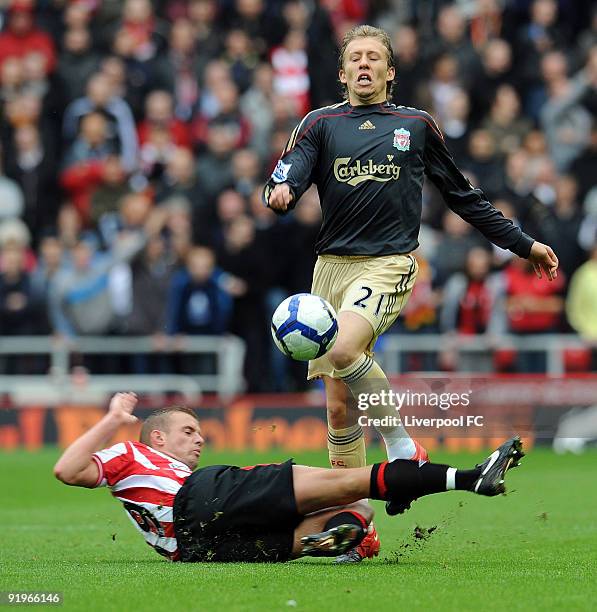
pixel 226 513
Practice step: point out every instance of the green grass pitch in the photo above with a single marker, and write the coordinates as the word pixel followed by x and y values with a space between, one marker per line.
pixel 534 548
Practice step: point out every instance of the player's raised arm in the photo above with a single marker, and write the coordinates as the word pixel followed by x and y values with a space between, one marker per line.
pixel 292 175
pixel 76 466
pixel 472 205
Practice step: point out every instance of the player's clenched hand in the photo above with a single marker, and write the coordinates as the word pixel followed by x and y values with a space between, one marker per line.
pixel 280 197
pixel 122 406
pixel 544 260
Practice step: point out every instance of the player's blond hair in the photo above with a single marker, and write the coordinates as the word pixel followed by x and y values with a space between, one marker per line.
pixel 367 31
pixel 159 419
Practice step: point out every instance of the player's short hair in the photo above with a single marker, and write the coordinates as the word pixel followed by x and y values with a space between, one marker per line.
pixel 367 31
pixel 158 419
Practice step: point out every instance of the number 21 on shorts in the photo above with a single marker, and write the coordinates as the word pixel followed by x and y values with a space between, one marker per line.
pixel 367 293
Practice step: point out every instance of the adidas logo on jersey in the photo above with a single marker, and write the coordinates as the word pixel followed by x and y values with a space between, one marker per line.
pixel 367 125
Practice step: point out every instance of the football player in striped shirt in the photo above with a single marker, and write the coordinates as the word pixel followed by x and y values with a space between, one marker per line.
pixel 272 512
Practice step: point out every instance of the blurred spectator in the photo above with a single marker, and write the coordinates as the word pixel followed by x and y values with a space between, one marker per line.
pixel 20 312
pixel 472 305
pixel 567 219
pixel 486 22
pixel 202 15
pixel 536 38
pixel 484 162
pixel 11 79
pixel 21 35
pixel 291 77
pixel 51 262
pixel 132 215
pixel 77 62
pixel 226 112
pixel 34 168
pixel 38 82
pixel 217 72
pixel 408 61
pixel 14 233
pixel 456 126
pixel 588 75
pixel 494 71
pixel 533 306
pixel 452 248
pixel 159 113
pixel 297 272
pixel 444 85
pixel 504 123
pixel 471 299
pixel 241 57
pixel 230 206
pixel 178 227
pixel 182 67
pixel 345 13
pixel 256 106
pixel 86 161
pixel 565 122
pixel 81 302
pixel 68 226
pixel 151 280
pixel 100 97
pixel 246 171
pixel 588 37
pixel 92 143
pixel 197 302
pixel 78 15
pixel 113 186
pixel 152 275
pixel 583 167
pixel 140 30
pixel 581 304
pixel 249 16
pixel 420 311
pixel 242 256
pixel 213 167
pixel 322 49
pixel 452 40
pixel 11 196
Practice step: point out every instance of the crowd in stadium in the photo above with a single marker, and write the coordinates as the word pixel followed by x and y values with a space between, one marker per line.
pixel 136 137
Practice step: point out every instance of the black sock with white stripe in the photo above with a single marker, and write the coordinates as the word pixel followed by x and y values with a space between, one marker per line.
pixel 403 478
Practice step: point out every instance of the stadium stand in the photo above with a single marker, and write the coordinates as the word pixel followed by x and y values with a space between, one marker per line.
pixel 135 137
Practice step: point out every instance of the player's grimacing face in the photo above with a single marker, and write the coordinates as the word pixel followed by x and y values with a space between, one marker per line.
pixel 365 71
pixel 183 440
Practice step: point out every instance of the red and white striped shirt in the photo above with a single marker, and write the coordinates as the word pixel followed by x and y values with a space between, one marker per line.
pixel 146 482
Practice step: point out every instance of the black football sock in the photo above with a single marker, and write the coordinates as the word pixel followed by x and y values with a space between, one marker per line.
pixel 403 477
pixel 348 517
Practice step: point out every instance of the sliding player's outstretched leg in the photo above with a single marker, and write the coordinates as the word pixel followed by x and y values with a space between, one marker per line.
pixel 401 479
pixel 401 482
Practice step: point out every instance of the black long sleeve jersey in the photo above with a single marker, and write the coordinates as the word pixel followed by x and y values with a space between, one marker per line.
pixel 368 164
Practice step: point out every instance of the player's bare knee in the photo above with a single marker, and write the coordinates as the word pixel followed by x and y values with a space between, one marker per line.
pixel 341 356
pixel 336 410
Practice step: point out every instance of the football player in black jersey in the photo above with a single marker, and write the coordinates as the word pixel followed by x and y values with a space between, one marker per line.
pixel 368 159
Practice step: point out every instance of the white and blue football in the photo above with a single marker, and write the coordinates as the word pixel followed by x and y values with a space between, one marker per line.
pixel 304 326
